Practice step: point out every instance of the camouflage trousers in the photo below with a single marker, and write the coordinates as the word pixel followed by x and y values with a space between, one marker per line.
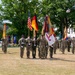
pixel 43 53
pixel 51 52
pixel 73 49
pixel 34 52
pixel 28 48
pixel 21 52
pixel 4 48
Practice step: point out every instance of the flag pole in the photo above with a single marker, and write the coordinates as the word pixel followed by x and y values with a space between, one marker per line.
pixel 28 32
pixel 28 28
pixel 29 23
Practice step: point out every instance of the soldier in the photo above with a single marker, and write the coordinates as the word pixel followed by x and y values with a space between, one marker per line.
pixel 60 45
pixel 46 50
pixel 34 45
pixel 73 44
pixel 22 46
pixel 42 44
pixel 63 45
pixel 4 45
pixel 28 46
pixel 55 46
pixel 68 44
pixel 51 51
pixel 38 46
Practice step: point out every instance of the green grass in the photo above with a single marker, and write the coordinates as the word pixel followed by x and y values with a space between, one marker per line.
pixel 12 64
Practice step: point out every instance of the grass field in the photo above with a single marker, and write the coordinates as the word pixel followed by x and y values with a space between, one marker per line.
pixel 12 64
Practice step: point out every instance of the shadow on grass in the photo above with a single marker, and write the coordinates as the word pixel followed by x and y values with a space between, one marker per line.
pixel 61 59
pixel 50 59
pixel 11 52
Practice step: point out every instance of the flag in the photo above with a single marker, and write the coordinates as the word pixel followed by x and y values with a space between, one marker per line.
pixel 49 35
pixel 65 32
pixel 4 31
pixel 50 39
pixel 45 27
pixel 51 27
pixel 29 23
pixel 34 23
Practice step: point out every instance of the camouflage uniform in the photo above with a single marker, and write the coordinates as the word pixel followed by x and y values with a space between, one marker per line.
pixel 51 51
pixel 34 45
pixel 60 45
pixel 4 45
pixel 68 44
pixel 38 47
pixel 55 46
pixel 46 49
pixel 73 45
pixel 22 46
pixel 42 45
pixel 63 45
pixel 28 46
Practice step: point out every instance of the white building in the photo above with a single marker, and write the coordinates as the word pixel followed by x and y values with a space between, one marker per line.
pixel 71 32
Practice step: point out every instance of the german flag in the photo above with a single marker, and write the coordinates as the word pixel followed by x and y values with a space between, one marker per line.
pixel 34 23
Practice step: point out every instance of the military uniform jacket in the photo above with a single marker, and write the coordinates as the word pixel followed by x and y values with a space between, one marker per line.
pixel 28 43
pixel 22 42
pixel 4 42
pixel 34 43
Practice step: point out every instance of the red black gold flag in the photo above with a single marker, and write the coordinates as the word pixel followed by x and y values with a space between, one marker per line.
pixel 34 23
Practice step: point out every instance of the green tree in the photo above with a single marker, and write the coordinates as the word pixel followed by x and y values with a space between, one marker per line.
pixel 17 12
pixel 56 9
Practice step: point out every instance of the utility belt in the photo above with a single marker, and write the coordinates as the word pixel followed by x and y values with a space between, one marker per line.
pixel 22 46
pixel 29 44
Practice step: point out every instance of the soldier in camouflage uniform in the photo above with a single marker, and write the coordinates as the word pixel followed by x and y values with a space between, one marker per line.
pixel 22 45
pixel 60 45
pixel 51 51
pixel 63 45
pixel 46 49
pixel 28 46
pixel 68 44
pixel 42 44
pixel 73 44
pixel 55 46
pixel 34 45
pixel 4 44
pixel 38 46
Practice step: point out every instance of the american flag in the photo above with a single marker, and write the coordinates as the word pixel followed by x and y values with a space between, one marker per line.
pixel 29 24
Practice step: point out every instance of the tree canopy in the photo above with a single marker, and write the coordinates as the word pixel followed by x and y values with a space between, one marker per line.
pixel 17 12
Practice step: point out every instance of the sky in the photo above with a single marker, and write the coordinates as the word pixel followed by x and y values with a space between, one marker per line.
pixel 0 1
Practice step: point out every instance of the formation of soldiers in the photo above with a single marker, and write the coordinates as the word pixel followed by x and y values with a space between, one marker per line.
pixel 34 44
pixel 43 48
pixel 40 44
